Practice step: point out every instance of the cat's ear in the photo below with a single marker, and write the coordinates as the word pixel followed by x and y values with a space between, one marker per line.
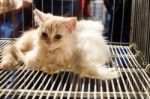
pixel 40 16
pixel 70 24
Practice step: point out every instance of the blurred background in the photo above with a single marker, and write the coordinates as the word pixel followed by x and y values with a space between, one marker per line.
pixel 16 15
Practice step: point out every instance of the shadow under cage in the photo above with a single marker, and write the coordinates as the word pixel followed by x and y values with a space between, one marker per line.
pixel 129 51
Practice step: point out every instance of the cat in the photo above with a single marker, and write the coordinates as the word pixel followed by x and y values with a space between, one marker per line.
pixel 62 44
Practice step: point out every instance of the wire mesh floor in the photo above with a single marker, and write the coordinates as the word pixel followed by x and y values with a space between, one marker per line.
pixel 26 84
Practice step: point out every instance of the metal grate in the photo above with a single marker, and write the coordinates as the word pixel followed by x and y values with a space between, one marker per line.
pixel 25 84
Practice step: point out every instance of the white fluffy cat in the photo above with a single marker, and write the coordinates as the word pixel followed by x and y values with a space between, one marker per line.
pixel 62 44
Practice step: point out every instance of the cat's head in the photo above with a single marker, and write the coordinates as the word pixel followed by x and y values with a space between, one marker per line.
pixel 56 33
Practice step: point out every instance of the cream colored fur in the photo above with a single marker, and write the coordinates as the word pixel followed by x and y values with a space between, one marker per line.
pixel 82 48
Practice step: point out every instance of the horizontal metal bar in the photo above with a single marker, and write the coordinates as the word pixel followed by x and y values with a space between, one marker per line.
pixel 45 93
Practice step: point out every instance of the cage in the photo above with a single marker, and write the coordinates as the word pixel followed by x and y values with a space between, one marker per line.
pixel 126 25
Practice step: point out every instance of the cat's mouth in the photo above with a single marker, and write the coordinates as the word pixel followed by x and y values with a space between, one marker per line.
pixel 49 43
pixel 51 47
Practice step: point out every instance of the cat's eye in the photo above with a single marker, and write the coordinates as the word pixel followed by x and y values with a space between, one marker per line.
pixel 58 36
pixel 44 35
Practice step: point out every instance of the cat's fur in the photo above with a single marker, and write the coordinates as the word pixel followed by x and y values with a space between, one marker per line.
pixel 82 48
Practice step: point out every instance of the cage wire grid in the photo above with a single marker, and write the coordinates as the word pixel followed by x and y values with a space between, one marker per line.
pixel 133 67
pixel 24 83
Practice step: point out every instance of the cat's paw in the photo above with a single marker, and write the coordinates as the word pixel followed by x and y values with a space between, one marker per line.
pixel 30 64
pixel 107 73
pixel 51 68
pixel 8 64
pixel 31 60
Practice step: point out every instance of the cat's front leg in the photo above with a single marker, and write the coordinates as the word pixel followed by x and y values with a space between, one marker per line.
pixel 8 62
pixel 32 60
pixel 51 68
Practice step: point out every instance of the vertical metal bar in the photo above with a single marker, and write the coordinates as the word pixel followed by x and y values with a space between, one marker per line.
pixel 147 22
pixel 42 5
pixel 122 22
pixel 136 17
pixel 72 7
pixel 13 23
pixel 148 34
pixel 4 15
pixel 139 25
pixel 92 9
pixel 59 85
pixel 22 19
pixel 82 16
pixel 54 82
pixel 132 32
pixel 89 88
pixel 107 89
pixel 103 13
pixel 33 6
pixel 71 86
pixel 95 89
pixel 52 4
pixel 113 87
pixel 113 21
pixel 76 89
pixel 82 87
pixel 62 8
pixel 61 97
pixel 101 89
pixel 143 25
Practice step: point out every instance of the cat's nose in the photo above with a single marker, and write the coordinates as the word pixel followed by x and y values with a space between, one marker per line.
pixel 50 42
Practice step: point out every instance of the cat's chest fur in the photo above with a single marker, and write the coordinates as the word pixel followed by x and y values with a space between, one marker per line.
pixel 63 57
